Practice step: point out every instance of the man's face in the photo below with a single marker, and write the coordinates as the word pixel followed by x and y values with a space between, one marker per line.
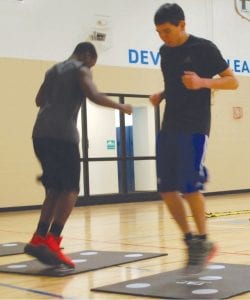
pixel 171 34
pixel 90 61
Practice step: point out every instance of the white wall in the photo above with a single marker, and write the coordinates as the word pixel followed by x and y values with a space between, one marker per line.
pixel 47 30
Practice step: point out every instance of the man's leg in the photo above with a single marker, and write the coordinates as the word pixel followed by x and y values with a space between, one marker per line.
pixel 57 208
pixel 196 203
pixel 36 246
pixel 67 161
pixel 47 215
pixel 47 212
pixel 175 204
pixel 64 206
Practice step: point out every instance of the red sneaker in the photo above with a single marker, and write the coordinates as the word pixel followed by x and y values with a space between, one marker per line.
pixel 37 249
pixel 52 244
pixel 34 244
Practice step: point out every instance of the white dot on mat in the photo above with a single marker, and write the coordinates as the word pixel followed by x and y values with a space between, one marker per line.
pixel 205 291
pixel 17 266
pixel 211 278
pixel 89 253
pixel 133 255
pixel 138 285
pixel 215 267
pixel 9 245
pixel 78 261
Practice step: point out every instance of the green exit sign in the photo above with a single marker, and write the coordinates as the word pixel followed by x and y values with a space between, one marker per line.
pixel 110 144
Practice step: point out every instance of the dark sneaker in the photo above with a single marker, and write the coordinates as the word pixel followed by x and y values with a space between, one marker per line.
pixel 52 244
pixel 33 244
pixel 37 249
pixel 200 252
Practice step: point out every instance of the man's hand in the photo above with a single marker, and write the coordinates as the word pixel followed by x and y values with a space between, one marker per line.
pixel 126 109
pixel 156 99
pixel 192 81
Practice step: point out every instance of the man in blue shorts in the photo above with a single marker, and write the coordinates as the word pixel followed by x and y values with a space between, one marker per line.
pixel 55 139
pixel 188 64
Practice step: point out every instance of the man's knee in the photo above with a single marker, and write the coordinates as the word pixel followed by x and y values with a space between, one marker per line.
pixel 192 195
pixel 168 197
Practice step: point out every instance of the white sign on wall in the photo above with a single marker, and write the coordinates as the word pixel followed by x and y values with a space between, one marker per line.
pixel 243 8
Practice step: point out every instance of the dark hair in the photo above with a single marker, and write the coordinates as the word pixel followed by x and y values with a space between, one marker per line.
pixel 169 12
pixel 85 47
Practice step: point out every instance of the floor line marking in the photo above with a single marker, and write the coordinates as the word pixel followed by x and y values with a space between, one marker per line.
pixel 33 291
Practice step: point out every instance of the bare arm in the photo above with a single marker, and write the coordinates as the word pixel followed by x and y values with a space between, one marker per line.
pixel 91 92
pixel 226 81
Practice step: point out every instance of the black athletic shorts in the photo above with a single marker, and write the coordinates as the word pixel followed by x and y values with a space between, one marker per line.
pixel 60 162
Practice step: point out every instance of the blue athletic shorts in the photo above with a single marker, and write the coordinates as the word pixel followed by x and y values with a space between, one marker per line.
pixel 180 158
pixel 60 162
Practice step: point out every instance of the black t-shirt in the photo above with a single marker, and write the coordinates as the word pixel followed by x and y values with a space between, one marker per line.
pixel 57 118
pixel 189 110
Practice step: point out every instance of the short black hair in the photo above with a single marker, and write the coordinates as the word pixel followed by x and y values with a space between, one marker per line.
pixel 85 47
pixel 169 12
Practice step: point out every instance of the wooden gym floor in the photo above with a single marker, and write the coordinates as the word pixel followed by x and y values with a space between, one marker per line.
pixel 143 226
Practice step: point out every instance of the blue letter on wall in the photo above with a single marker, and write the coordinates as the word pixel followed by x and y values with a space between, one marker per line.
pixel 245 67
pixel 237 66
pixel 144 57
pixel 133 56
pixel 155 57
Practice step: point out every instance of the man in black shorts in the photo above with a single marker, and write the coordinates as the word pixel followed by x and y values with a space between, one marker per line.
pixel 188 64
pixel 55 139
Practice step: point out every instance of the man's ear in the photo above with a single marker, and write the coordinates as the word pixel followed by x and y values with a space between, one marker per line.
pixel 182 24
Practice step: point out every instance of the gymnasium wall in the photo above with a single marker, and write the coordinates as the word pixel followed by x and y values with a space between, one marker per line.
pixel 36 34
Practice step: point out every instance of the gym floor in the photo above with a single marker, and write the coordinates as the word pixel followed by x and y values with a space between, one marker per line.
pixel 139 227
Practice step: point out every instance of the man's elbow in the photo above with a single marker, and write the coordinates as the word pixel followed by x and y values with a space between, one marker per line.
pixel 95 97
pixel 38 101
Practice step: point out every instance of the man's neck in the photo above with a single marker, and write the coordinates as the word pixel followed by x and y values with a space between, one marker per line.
pixel 183 38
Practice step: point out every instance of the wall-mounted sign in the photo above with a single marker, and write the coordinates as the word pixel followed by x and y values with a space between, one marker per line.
pixel 110 144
